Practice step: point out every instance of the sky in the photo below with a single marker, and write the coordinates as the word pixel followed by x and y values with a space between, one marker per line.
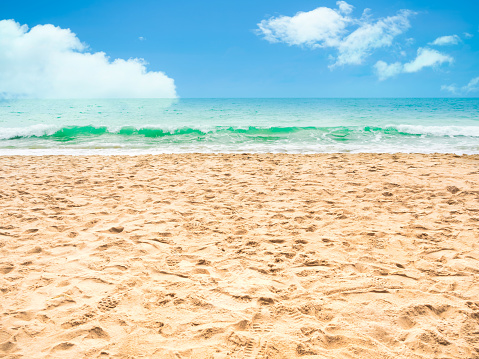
pixel 261 48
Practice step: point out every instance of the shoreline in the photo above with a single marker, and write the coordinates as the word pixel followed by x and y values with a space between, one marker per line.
pixel 250 154
pixel 239 255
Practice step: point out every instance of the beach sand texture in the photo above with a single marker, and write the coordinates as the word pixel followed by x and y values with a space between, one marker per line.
pixel 239 256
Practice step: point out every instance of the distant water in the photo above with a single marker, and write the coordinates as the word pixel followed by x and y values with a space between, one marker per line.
pixel 39 127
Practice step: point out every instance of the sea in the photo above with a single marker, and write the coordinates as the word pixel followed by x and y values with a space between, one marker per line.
pixel 154 126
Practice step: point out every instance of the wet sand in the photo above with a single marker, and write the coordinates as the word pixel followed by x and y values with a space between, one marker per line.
pixel 239 256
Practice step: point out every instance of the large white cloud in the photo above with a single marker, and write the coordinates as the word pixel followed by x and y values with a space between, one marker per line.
pixel 472 86
pixel 321 27
pixel 354 38
pixel 51 62
pixel 425 58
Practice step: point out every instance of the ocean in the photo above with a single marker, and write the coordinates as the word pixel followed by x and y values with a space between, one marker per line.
pixel 151 126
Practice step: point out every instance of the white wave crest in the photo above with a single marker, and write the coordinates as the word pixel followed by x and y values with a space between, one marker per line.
pixel 7 133
pixel 445 131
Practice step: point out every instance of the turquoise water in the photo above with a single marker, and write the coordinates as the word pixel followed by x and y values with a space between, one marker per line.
pixel 39 127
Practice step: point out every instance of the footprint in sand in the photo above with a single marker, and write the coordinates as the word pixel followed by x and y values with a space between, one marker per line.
pixel 260 328
pixel 78 320
pixel 108 303
pixel 296 317
pixel 250 346
pixel 256 344
pixel 173 261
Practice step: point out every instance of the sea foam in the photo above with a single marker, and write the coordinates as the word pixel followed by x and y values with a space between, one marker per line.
pixel 239 125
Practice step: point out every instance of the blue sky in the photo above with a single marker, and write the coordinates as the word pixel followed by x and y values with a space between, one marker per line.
pixel 216 48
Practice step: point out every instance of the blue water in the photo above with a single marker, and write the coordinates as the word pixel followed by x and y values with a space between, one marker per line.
pixel 39 127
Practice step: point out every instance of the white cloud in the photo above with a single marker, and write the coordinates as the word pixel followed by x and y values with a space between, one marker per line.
pixel 425 58
pixel 371 36
pixel 472 86
pixel 450 88
pixel 446 40
pixel 384 70
pixel 354 39
pixel 344 7
pixel 366 15
pixel 468 35
pixel 51 62
pixel 322 27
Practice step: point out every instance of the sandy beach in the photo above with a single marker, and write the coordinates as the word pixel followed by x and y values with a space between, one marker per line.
pixel 239 256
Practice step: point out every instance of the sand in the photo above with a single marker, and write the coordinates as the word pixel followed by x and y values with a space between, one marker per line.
pixel 239 256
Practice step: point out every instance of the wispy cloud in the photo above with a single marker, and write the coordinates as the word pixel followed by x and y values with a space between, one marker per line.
pixel 472 86
pixel 358 45
pixel 354 38
pixel 51 62
pixel 446 40
pixel 344 7
pixel 425 58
